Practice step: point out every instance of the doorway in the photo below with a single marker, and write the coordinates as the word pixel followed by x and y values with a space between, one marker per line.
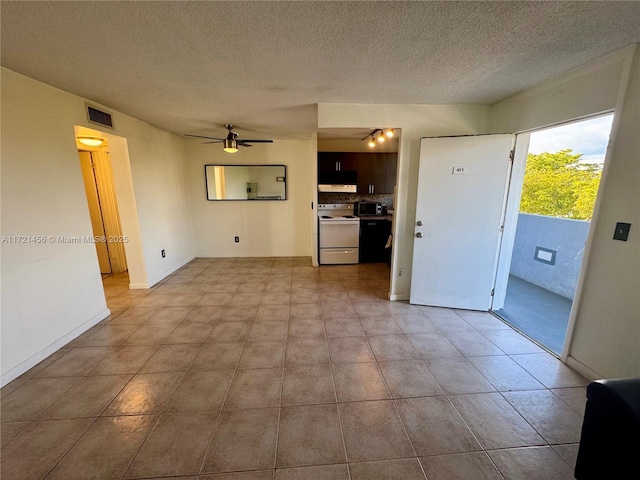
pixel 359 167
pixel 553 191
pixel 103 208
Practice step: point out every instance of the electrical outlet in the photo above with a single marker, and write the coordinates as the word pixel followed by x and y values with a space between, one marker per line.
pixel 237 239
pixel 400 272
pixel 163 253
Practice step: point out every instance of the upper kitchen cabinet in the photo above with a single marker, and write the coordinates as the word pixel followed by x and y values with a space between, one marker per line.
pixel 390 174
pixel 371 172
pixel 377 172
pixel 337 162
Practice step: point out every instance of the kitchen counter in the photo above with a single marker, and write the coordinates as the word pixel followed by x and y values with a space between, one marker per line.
pixel 376 217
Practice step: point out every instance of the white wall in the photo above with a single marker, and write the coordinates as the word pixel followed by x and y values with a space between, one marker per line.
pixel 265 228
pixel 416 121
pixel 605 341
pixel 607 327
pixel 52 292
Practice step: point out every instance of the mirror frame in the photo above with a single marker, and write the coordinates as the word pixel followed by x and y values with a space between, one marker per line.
pixel 206 183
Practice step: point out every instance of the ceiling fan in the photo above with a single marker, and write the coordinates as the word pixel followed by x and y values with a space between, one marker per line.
pixel 231 142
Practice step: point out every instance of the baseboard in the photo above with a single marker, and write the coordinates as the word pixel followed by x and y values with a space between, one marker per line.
pixel 162 276
pixel 35 359
pixel 398 297
pixel 582 369
pixel 249 255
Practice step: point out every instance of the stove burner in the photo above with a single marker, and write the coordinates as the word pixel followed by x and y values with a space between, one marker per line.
pixel 325 216
pixel 348 216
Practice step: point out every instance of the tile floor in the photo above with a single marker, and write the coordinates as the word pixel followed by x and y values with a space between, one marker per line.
pixel 273 369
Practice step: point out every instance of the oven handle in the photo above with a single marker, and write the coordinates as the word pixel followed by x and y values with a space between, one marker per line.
pixel 333 222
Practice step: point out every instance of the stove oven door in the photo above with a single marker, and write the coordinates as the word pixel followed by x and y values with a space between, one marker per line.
pixel 339 242
pixel 339 234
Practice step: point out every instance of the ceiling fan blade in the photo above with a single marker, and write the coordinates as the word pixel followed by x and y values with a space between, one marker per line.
pixel 215 141
pixel 200 136
pixel 257 141
pixel 242 144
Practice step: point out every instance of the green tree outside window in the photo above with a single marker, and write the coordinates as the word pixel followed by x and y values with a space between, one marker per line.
pixel 559 185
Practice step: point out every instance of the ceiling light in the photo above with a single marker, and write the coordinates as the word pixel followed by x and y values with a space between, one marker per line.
pixel 372 142
pixel 381 137
pixel 230 145
pixel 390 133
pixel 91 141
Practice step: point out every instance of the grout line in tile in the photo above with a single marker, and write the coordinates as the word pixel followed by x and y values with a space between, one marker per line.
pixel 395 406
pixel 224 401
pixel 69 449
pixel 349 278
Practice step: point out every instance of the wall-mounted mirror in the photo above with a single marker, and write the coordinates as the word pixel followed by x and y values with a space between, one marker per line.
pixel 246 182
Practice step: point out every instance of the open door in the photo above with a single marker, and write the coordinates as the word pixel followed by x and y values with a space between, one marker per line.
pixel 95 211
pixel 459 211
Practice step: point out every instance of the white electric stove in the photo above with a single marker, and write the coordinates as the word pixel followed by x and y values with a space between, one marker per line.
pixel 339 234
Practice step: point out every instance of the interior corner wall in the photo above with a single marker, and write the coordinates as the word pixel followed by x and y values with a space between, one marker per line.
pixel 52 291
pixel 605 333
pixel 606 337
pixel 416 121
pixel 267 228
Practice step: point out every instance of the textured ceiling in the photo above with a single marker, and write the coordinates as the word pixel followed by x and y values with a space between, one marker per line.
pixel 190 67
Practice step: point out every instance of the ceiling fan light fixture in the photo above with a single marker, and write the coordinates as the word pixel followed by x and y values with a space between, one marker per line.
pixel 230 145
pixel 91 141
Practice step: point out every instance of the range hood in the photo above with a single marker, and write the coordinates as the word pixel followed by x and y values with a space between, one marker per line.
pixel 337 188
pixel 338 182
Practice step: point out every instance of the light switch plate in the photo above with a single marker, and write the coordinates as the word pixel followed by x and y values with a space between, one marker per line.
pixel 622 231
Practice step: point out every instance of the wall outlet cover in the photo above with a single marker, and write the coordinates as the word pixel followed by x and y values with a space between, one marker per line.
pixel 622 231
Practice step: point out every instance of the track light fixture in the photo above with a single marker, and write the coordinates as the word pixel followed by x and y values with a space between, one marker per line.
pixel 379 135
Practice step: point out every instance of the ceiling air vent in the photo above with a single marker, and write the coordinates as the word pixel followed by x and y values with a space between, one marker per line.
pixel 98 116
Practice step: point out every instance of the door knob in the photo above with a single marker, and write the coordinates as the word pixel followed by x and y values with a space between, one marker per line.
pixel 419 223
pixel 419 234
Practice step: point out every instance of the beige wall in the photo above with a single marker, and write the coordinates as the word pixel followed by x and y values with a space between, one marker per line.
pixel 605 341
pixel 52 292
pixel 265 228
pixel 606 338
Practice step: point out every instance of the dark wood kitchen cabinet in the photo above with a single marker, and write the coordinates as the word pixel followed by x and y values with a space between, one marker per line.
pixel 391 172
pixel 377 172
pixel 337 162
pixel 371 172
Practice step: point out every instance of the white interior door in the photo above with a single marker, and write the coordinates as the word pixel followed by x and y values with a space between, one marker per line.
pixel 461 196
